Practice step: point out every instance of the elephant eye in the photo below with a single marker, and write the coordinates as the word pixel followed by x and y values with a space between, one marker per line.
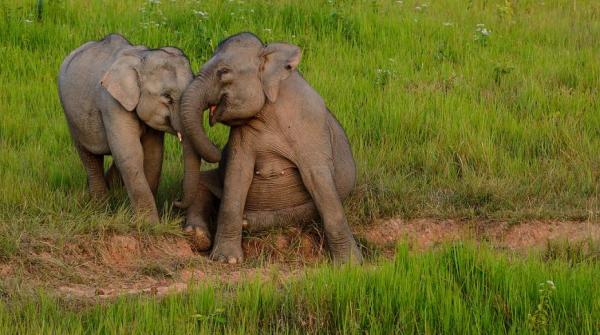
pixel 169 98
pixel 222 71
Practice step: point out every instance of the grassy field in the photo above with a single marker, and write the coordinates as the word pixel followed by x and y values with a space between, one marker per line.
pixel 483 109
pixel 459 289
pixel 446 119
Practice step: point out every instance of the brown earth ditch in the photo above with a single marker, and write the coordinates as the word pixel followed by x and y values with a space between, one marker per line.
pixel 129 264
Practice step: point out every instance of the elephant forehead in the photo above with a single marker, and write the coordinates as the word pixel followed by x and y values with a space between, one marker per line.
pixel 240 61
pixel 160 77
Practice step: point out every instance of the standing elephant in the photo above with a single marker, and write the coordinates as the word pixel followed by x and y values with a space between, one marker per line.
pixel 287 158
pixel 119 100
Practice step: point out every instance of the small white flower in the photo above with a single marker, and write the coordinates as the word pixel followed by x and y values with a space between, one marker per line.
pixel 154 2
pixel 418 8
pixel 447 24
pixel 424 5
pixel 267 30
pixel 27 21
pixel 399 2
pixel 480 25
pixel 201 13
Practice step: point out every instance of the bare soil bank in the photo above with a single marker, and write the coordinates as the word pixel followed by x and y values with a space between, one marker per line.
pixel 127 264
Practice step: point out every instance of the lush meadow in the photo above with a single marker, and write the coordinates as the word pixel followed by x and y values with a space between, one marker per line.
pixel 484 109
pixel 459 289
pixel 454 108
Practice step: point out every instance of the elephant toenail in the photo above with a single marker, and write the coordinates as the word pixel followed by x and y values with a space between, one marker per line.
pixel 232 260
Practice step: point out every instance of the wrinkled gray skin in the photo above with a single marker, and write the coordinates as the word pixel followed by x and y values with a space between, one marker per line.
pixel 287 158
pixel 119 100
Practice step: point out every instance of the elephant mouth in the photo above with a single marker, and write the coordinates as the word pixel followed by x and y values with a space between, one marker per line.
pixel 216 115
pixel 212 115
pixel 216 110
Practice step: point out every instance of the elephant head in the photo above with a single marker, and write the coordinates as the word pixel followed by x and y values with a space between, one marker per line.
pixel 151 83
pixel 238 80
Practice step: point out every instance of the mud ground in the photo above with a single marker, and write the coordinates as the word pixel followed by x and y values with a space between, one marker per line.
pixel 127 264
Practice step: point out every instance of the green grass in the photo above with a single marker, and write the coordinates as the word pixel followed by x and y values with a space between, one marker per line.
pixel 444 121
pixel 458 289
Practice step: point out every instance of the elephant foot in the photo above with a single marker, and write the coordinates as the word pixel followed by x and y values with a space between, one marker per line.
pixel 99 193
pixel 200 237
pixel 228 252
pixel 348 253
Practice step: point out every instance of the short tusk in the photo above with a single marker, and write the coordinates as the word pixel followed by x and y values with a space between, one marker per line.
pixel 179 137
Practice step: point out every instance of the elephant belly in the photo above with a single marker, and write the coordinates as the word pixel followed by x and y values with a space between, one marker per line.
pixel 88 130
pixel 275 186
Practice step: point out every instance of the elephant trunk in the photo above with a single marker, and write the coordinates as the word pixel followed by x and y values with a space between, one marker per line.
pixel 191 176
pixel 196 144
pixel 193 103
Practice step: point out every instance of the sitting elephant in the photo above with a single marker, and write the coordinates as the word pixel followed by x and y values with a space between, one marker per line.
pixel 119 99
pixel 287 158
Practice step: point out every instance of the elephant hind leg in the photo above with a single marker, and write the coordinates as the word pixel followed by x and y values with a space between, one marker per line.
pixel 152 144
pixel 263 220
pixel 113 176
pixel 94 167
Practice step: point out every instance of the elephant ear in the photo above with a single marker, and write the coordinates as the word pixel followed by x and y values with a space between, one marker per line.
pixel 279 60
pixel 122 81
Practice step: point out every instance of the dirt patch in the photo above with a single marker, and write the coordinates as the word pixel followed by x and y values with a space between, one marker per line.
pixel 291 245
pixel 129 264
pixel 537 234
pixel 421 233
pixel 121 251
pixel 427 233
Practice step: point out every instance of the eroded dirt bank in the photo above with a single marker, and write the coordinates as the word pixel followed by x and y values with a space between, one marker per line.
pixel 127 264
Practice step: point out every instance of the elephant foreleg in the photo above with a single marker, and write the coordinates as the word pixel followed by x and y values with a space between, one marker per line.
pixel 123 134
pixel 236 183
